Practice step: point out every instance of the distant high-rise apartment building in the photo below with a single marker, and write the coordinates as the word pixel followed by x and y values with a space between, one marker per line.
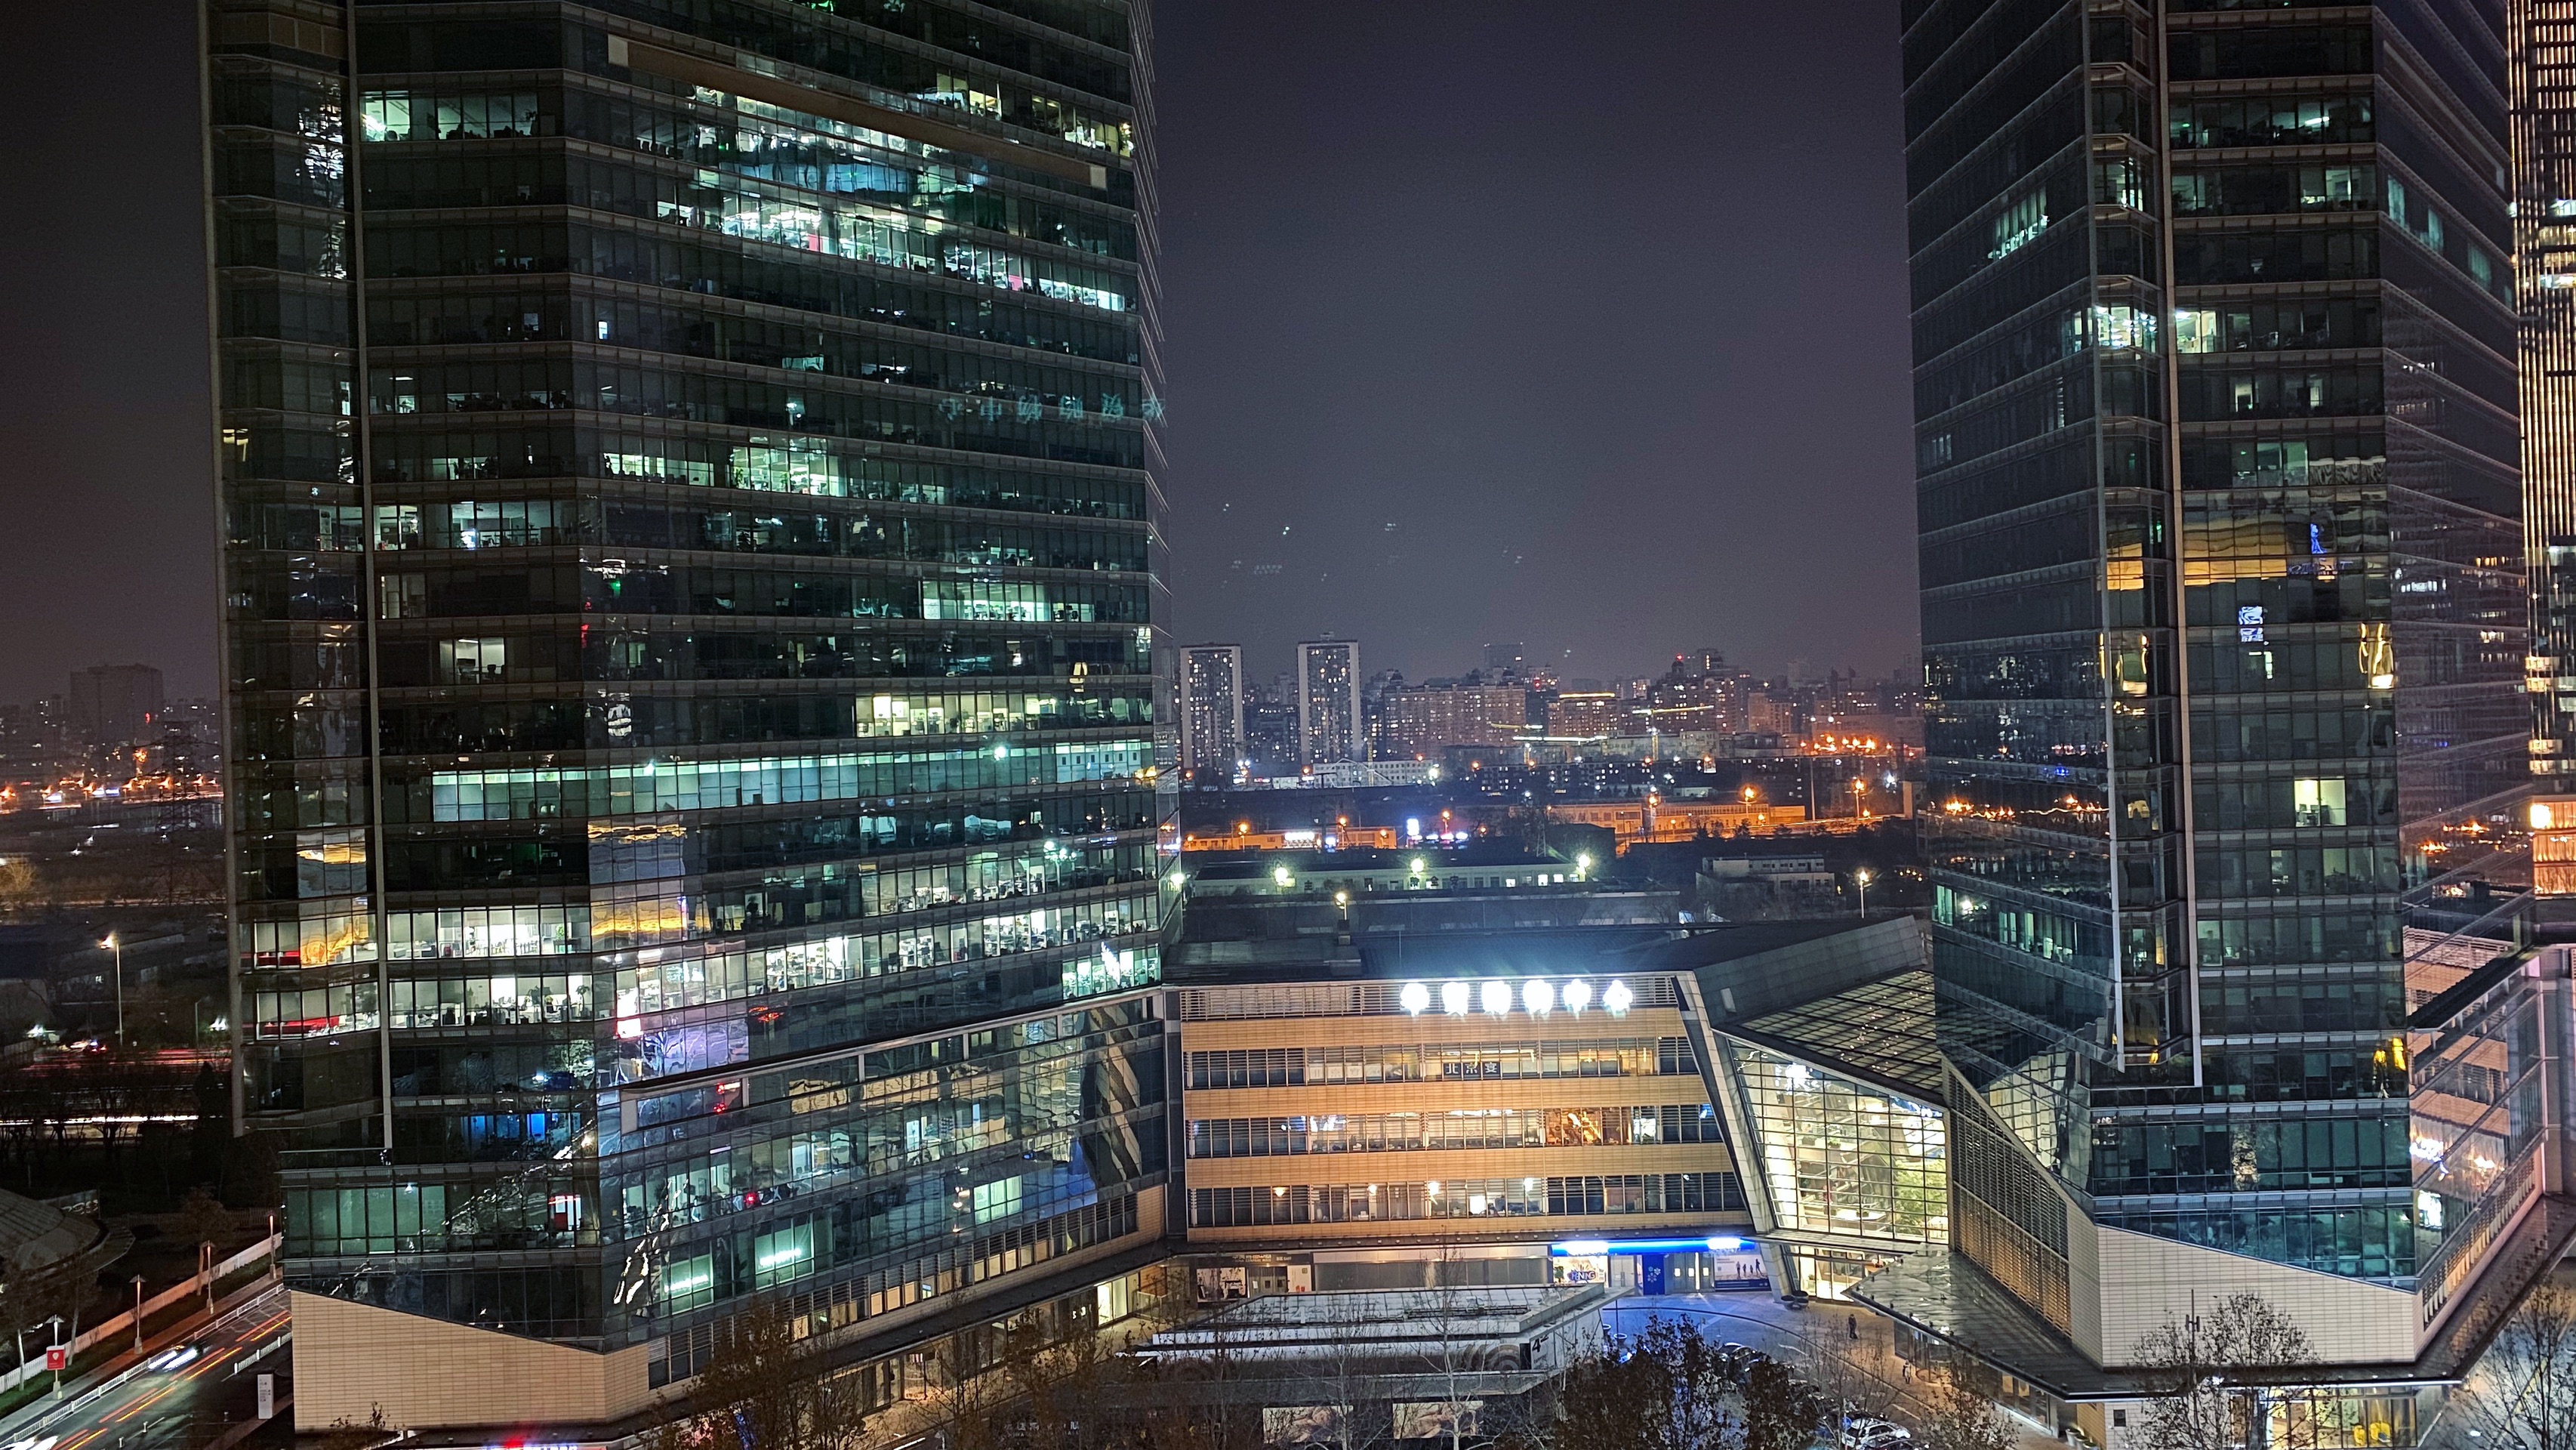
pixel 1586 713
pixel 1212 739
pixel 2223 624
pixel 1422 720
pixel 1270 725
pixel 1693 695
pixel 1767 712
pixel 688 534
pixel 114 704
pixel 1328 702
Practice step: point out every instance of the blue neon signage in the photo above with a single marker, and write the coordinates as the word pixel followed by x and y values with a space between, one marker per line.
pixel 1589 1248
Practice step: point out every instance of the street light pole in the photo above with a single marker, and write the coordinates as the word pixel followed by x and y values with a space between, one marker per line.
pixel 118 947
pixel 1862 878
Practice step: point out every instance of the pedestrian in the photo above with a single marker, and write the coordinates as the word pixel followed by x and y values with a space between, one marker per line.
pixel 1853 1322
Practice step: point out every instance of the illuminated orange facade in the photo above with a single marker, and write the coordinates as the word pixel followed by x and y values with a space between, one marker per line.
pixel 1657 820
pixel 1309 838
pixel 2553 845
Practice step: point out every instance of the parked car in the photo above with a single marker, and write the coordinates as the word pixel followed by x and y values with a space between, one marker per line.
pixel 1865 1432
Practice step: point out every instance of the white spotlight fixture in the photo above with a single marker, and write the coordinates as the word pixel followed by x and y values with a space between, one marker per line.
pixel 1576 996
pixel 1497 998
pixel 1455 998
pixel 1616 999
pixel 1415 998
pixel 1537 998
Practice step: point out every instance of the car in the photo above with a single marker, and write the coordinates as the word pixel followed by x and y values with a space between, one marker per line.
pixel 172 1359
pixel 1867 1432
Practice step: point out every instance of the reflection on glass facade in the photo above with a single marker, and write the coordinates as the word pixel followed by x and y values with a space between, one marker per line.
pixel 2543 84
pixel 2222 600
pixel 2485 1094
pixel 689 637
pixel 1840 1158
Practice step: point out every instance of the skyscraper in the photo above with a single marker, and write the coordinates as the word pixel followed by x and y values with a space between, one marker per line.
pixel 2543 84
pixel 115 704
pixel 1212 739
pixel 687 522
pixel 1328 702
pixel 2222 619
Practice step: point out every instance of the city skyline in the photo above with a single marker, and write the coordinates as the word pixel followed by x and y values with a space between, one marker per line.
pixel 891 676
pixel 1269 432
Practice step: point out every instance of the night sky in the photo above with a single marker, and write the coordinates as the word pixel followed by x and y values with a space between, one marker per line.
pixel 1580 325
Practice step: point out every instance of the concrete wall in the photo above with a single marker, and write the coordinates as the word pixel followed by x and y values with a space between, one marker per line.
pixel 2149 1282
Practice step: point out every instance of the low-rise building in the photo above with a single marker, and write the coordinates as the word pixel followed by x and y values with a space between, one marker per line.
pixel 1753 888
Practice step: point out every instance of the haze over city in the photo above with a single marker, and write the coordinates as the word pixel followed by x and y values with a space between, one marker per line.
pixel 1138 725
pixel 1498 352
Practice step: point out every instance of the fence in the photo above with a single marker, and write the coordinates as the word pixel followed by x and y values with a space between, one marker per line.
pixel 123 1324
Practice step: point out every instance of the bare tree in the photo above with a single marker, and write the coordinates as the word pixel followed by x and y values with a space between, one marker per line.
pixel 1781 1411
pixel 1664 1388
pixel 1343 1370
pixel 1667 1388
pixel 2197 1369
pixel 202 1219
pixel 1845 1375
pixel 765 1385
pixel 371 1433
pixel 2521 1395
pixel 1956 1415
pixel 1453 1358
pixel 30 1301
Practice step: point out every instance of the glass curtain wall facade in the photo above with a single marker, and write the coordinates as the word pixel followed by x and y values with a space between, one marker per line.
pixel 1841 1159
pixel 2543 82
pixel 690 563
pixel 2222 603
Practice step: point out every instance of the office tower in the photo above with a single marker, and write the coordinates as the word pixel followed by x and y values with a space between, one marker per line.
pixel 115 704
pixel 1212 740
pixel 1328 702
pixel 690 675
pixel 2543 86
pixel 2222 620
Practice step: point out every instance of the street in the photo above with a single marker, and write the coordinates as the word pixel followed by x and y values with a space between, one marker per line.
pixel 136 1407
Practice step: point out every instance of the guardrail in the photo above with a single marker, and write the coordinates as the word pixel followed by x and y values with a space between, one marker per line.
pixel 203 1281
